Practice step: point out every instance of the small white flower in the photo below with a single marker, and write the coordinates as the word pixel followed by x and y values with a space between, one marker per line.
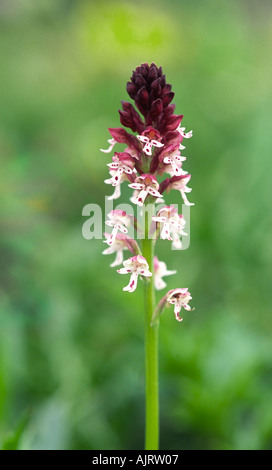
pixel 180 183
pixel 118 246
pixel 172 225
pixel 171 160
pixel 121 163
pixel 174 159
pixel 151 138
pixel 160 270
pixel 135 266
pixel 119 220
pixel 179 298
pixel 121 169
pixel 149 144
pixel 144 185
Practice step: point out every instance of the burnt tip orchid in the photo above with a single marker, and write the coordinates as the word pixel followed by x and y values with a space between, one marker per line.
pixel 153 145
pixel 151 164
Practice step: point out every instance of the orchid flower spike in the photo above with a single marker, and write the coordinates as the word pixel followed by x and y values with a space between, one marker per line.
pixel 179 298
pixel 160 270
pixel 172 225
pixel 153 140
pixel 137 265
pixel 119 220
pixel 144 185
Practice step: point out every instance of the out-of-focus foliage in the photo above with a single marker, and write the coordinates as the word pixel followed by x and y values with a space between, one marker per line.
pixel 71 342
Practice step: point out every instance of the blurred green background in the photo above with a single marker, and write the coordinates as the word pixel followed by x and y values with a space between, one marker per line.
pixel 71 342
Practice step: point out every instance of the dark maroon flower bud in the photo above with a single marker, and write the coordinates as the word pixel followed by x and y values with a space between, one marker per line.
pixel 140 81
pixel 173 122
pixel 142 101
pixel 164 184
pixel 130 118
pixel 152 95
pixel 156 86
pixel 156 109
pixel 172 137
pixel 123 137
pixel 167 98
pixel 131 90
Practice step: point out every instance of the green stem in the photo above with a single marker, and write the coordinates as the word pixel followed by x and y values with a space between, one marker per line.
pixel 151 345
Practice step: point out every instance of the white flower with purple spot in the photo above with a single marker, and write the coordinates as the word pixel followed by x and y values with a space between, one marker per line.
pixel 121 169
pixel 118 247
pixel 135 266
pixel 179 298
pixel 121 163
pixel 151 138
pixel 160 270
pixel 172 160
pixel 119 220
pixel 180 183
pixel 144 185
pixel 172 225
